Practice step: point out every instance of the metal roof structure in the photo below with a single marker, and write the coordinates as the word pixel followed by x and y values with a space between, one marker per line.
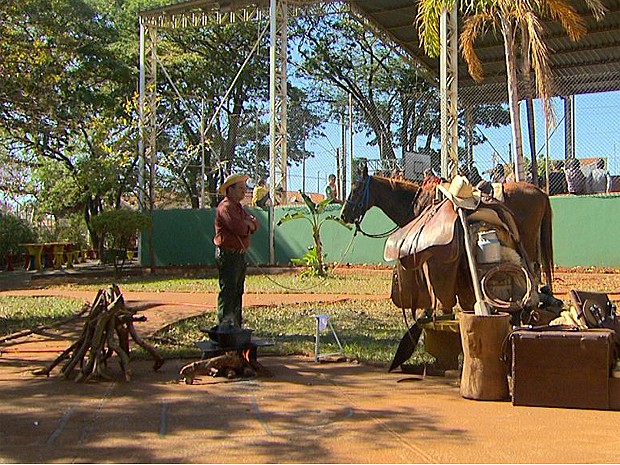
pixel 591 64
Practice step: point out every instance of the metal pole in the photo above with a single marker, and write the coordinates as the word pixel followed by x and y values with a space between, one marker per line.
pixel 272 128
pixel 343 181
pixel 339 177
pixel 303 166
pixel 547 153
pixel 351 135
pixel 448 77
pixel 141 86
pixel 202 153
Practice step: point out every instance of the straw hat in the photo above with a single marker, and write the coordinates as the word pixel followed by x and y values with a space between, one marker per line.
pixel 232 179
pixel 461 193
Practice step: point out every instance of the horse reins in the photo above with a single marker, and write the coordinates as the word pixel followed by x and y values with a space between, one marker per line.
pixel 363 206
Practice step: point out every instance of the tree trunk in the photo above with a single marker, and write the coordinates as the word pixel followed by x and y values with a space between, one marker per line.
pixel 484 372
pixel 531 128
pixel 513 97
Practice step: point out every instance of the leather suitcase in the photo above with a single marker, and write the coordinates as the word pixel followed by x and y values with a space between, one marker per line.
pixel 562 368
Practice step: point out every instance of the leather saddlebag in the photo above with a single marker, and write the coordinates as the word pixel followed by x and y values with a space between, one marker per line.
pixel 409 288
pixel 562 368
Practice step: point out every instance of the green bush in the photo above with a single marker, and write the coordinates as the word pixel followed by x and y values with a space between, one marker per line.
pixel 118 230
pixel 13 231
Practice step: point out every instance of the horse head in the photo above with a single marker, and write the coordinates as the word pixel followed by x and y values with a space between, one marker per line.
pixel 358 201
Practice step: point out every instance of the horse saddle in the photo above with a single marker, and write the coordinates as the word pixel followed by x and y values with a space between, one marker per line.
pixel 432 233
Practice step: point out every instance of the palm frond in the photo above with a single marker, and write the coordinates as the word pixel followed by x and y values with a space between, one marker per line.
pixel 571 21
pixel 427 21
pixel 473 27
pixel 540 61
pixel 597 8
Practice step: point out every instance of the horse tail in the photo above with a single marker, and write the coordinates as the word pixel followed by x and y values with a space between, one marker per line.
pixel 546 243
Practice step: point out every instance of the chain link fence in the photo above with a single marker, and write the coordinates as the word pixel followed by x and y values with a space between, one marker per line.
pixel 576 153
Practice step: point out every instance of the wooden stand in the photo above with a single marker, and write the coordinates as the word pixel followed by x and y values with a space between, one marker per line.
pixel 484 373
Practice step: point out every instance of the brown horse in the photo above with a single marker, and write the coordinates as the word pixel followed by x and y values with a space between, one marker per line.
pixel 402 201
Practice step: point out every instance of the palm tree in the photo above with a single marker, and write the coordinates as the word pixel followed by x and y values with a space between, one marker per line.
pixel 513 18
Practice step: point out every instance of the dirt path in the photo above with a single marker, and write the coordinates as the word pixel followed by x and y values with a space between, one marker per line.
pixel 306 413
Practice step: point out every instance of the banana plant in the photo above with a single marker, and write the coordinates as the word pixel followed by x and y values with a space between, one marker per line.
pixel 313 259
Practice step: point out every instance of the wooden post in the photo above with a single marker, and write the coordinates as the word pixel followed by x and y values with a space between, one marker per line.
pixel 484 372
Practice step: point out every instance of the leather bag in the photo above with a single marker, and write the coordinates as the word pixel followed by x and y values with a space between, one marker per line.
pixel 409 288
pixel 596 308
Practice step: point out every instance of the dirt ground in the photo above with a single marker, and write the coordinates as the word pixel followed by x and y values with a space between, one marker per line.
pixel 306 413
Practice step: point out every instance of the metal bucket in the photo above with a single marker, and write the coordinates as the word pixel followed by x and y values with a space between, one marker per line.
pixel 488 248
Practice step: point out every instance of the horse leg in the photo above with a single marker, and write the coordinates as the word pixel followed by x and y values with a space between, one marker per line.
pixel 464 287
pixel 442 277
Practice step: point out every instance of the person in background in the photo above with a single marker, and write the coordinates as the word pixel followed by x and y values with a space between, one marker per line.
pixel 599 180
pixel 575 179
pixel 331 191
pixel 260 194
pixel 557 179
pixel 233 228
pixel 471 173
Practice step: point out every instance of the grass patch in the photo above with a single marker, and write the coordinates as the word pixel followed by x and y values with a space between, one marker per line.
pixel 24 312
pixel 369 331
pixel 282 283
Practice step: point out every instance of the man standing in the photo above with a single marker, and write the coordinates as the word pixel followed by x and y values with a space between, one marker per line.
pixel 233 227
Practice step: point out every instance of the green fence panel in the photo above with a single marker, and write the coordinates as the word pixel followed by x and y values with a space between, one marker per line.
pixel 585 233
pixel 585 230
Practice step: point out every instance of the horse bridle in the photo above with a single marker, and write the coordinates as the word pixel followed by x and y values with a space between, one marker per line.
pixel 363 205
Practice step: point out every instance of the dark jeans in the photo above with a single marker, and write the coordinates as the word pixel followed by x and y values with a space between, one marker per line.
pixel 231 266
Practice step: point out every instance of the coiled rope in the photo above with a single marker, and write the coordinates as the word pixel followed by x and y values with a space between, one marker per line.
pixel 507 268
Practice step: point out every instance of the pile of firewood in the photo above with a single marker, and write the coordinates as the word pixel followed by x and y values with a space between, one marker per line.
pixel 108 327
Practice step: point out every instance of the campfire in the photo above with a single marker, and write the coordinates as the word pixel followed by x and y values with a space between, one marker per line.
pixel 230 352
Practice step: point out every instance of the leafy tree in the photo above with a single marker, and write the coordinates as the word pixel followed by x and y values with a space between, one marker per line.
pixel 353 61
pixel 63 88
pixel 119 228
pixel 313 258
pixel 14 231
pixel 198 62
pixel 399 106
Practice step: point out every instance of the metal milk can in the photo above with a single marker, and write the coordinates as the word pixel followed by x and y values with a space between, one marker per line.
pixel 488 248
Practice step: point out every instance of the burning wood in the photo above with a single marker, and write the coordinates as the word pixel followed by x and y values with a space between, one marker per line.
pixel 107 330
pixel 231 365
